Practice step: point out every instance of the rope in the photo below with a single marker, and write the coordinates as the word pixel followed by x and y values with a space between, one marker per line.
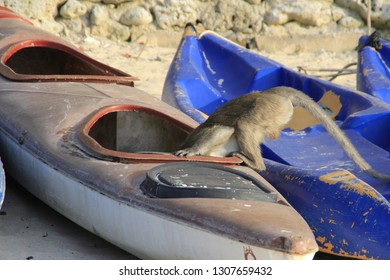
pixel 339 72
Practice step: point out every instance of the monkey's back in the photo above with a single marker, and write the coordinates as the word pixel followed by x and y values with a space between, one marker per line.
pixel 256 108
pixel 230 112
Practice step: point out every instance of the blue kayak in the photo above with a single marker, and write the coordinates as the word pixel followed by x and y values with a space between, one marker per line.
pixel 348 211
pixel 373 70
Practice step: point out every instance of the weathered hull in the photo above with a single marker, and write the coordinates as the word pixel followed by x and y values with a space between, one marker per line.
pixel 373 74
pixel 88 148
pixel 348 211
pixel 139 231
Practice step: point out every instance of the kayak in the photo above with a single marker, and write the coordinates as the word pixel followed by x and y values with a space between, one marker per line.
pixel 81 138
pixel 373 73
pixel 347 210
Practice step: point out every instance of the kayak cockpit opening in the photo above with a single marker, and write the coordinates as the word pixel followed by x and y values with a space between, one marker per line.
pixel 41 60
pixel 119 131
pixel 134 131
pixel 128 133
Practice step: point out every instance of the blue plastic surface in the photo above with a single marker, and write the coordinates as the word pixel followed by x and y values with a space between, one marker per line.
pixel 373 72
pixel 348 211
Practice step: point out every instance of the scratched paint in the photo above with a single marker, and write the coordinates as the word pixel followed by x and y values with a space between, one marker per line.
pixel 290 177
pixel 302 119
pixel 208 64
pixel 328 247
pixel 321 239
pixel 351 183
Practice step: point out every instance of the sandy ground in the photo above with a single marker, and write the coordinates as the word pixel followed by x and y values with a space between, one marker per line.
pixel 31 230
pixel 150 63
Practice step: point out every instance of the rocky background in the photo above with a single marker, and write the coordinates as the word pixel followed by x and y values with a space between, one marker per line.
pixel 248 22
pixel 140 37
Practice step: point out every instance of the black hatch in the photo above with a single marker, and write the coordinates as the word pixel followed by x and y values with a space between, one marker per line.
pixel 205 180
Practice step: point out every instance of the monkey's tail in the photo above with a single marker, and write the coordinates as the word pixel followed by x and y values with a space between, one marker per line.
pixel 300 99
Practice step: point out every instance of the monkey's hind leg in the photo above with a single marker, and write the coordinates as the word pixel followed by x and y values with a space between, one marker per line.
pixel 209 141
pixel 249 143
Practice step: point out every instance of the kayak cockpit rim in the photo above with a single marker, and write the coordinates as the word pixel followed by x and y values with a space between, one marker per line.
pixel 49 61
pixel 129 133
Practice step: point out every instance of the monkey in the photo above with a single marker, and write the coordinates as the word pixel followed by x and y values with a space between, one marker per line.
pixel 238 127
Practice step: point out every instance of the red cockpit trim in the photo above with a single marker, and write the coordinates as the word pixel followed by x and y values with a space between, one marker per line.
pixel 93 147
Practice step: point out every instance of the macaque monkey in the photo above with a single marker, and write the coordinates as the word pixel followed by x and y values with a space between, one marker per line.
pixel 239 126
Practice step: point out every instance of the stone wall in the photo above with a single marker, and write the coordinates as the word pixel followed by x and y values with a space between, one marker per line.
pixel 243 21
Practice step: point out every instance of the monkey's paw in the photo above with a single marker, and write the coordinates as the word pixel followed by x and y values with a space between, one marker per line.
pixel 185 152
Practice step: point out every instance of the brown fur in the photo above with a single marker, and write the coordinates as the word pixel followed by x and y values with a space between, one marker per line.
pixel 242 124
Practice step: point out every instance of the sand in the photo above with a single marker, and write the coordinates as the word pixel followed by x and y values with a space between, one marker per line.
pixel 150 62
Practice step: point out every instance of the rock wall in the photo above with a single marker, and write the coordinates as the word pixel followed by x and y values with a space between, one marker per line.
pixel 244 21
